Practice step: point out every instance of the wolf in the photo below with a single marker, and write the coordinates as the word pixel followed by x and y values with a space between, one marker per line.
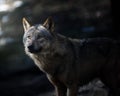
pixel 69 63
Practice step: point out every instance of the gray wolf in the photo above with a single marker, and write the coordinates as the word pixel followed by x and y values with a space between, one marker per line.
pixel 70 63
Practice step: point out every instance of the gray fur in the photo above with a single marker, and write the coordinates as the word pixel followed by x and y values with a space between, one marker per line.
pixel 69 63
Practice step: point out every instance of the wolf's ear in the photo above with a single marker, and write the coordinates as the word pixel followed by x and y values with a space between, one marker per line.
pixel 49 24
pixel 26 24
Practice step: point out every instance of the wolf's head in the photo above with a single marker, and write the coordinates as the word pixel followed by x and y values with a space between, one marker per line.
pixel 38 38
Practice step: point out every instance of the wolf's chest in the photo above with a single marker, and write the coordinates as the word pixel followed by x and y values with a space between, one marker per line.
pixel 47 63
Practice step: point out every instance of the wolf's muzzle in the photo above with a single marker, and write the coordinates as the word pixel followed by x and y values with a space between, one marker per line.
pixel 32 49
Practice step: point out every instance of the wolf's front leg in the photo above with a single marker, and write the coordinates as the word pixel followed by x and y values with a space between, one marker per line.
pixel 61 90
pixel 72 90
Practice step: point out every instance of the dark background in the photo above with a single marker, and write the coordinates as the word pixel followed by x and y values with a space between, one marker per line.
pixel 73 18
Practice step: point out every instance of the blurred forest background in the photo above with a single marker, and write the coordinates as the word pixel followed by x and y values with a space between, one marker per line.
pixel 74 18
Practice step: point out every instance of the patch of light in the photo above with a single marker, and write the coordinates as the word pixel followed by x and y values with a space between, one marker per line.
pixel 5 41
pixel 2 1
pixel 5 19
pixel 10 6
pixel 1 32
pixel 17 3
pixel 4 7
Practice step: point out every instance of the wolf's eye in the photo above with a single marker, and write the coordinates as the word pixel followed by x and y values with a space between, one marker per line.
pixel 29 37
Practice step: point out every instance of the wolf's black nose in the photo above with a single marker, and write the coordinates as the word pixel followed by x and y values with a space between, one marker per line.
pixel 31 48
